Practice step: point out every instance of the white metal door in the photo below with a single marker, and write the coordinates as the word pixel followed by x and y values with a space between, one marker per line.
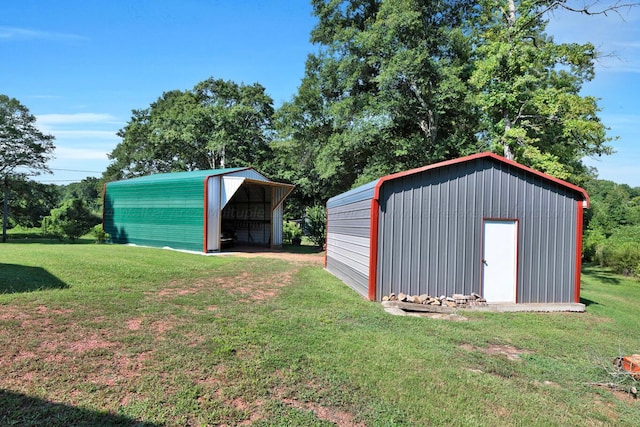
pixel 499 262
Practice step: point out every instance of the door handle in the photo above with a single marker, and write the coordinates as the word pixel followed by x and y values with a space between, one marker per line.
pixel 484 261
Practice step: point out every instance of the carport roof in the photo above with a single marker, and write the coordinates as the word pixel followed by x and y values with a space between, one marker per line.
pixel 199 175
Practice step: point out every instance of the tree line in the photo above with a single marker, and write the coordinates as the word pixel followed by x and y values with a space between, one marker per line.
pixel 391 86
pixel 612 226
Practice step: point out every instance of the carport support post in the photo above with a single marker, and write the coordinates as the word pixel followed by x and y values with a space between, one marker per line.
pixel 5 209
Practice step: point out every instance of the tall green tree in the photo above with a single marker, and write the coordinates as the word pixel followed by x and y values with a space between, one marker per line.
pixel 399 84
pixel 528 89
pixel 304 127
pixel 216 124
pixel 30 201
pixel 392 80
pixel 88 189
pixel 23 147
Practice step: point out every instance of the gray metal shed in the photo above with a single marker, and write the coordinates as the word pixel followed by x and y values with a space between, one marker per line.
pixel 480 223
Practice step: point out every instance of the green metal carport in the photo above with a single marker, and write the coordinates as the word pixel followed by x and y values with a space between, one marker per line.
pixel 190 210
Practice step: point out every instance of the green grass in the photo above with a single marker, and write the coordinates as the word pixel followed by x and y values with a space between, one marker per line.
pixel 116 335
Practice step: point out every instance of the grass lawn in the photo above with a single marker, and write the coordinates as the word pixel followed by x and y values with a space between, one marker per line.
pixel 115 335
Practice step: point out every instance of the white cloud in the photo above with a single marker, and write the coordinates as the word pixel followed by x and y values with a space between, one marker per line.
pixel 57 119
pixel 12 33
pixel 65 153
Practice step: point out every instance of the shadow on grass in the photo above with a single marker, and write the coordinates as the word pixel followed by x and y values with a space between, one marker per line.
pixel 45 241
pixel 19 278
pixel 292 249
pixel 22 410
pixel 601 274
pixel 302 249
pixel 587 302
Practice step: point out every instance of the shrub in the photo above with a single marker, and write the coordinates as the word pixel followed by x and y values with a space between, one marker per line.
pixel 593 244
pixel 71 220
pixel 621 251
pixel 291 233
pixel 315 224
pixel 99 234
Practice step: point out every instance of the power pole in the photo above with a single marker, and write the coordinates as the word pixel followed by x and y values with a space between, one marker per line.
pixel 5 210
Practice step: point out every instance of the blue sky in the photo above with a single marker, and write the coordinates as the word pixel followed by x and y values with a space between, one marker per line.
pixel 82 66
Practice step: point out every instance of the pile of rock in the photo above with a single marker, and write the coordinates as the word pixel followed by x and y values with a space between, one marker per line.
pixel 454 301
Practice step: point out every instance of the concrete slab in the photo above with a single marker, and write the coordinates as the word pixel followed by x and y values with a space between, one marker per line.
pixel 540 307
pixel 490 307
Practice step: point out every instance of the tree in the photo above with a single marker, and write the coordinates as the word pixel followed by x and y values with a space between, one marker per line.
pixel 400 84
pixel 315 223
pixel 30 201
pixel 528 88
pixel 392 81
pixel 216 124
pixel 71 220
pixel 22 146
pixel 89 189
pixel 304 127
pixel 237 120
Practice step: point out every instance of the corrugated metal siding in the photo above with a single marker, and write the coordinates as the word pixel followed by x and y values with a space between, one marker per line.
pixel 364 192
pixel 157 213
pixel 249 173
pixel 277 222
pixel 276 226
pixel 279 194
pixel 348 240
pixel 230 184
pixel 430 230
pixel 213 212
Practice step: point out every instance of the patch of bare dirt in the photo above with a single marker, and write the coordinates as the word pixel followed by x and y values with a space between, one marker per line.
pixel 162 326
pixel 175 291
pixel 91 342
pixel 621 393
pixel 334 415
pixel 24 355
pixel 246 287
pixel 316 258
pixel 257 287
pixel 250 285
pixel 45 309
pixel 511 352
pixel 12 313
pixel 134 324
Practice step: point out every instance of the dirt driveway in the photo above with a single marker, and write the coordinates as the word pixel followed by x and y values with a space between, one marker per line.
pixel 311 258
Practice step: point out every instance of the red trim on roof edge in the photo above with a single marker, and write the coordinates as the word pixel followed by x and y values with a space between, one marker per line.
pixel 579 219
pixel 487 154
